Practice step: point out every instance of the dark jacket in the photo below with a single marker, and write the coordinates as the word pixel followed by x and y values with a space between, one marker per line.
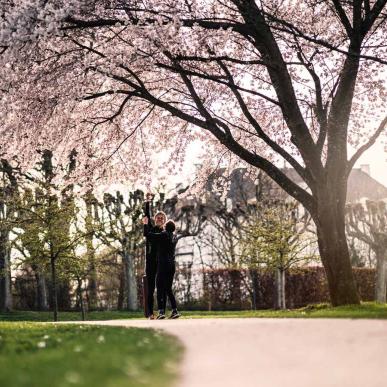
pixel 166 245
pixel 152 245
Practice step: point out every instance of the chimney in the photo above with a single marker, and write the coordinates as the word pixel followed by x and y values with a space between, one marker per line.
pixel 366 169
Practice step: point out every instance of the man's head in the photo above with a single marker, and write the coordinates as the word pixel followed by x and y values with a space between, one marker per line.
pixel 170 226
pixel 160 218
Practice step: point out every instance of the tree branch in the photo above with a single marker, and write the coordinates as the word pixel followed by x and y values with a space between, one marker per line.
pixel 367 145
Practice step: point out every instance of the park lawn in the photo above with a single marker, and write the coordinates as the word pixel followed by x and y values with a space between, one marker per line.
pixel 41 355
pixel 18 315
pixel 365 310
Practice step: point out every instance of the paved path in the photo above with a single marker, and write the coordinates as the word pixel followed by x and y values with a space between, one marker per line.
pixel 278 352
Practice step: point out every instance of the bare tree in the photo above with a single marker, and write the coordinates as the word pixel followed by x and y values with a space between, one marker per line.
pixel 369 224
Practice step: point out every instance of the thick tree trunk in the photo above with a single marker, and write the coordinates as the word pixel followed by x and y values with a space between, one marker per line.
pixel 280 288
pixel 5 276
pixel 130 281
pixel 41 291
pixel 334 252
pixel 381 276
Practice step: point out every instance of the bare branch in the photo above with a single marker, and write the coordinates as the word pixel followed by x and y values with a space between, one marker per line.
pixel 367 145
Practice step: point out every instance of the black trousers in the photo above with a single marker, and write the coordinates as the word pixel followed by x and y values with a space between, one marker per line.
pixel 164 281
pixel 151 270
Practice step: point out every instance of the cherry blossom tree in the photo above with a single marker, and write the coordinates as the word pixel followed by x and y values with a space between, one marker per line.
pixel 258 81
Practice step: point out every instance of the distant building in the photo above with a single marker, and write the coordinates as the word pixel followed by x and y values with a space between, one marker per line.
pixel 362 186
pixel 242 187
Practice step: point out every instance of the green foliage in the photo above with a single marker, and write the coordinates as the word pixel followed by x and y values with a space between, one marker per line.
pixel 44 230
pixel 37 355
pixel 276 237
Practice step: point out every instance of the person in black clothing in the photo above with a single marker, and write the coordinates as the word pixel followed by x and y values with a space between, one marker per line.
pixel 167 241
pixel 151 258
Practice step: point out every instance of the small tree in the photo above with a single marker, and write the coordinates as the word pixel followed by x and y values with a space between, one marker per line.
pixel 276 240
pixel 45 217
pixel 78 270
pixel 369 224
pixel 30 245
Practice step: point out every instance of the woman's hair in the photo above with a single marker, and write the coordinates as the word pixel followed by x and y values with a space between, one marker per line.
pixel 170 226
pixel 160 213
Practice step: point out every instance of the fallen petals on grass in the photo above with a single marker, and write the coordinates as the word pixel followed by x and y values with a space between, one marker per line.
pixel 100 339
pixel 41 344
pixel 73 377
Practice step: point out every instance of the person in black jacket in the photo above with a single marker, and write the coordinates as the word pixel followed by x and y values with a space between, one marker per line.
pixel 154 226
pixel 166 241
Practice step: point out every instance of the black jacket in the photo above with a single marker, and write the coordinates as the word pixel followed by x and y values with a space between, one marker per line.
pixel 152 245
pixel 166 245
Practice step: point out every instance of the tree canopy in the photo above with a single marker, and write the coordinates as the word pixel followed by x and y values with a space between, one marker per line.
pixel 259 81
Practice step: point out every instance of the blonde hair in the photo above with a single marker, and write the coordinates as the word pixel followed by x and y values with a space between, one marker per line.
pixel 160 213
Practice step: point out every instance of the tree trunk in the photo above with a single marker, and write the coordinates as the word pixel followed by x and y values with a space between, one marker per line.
pixel 80 299
pixel 54 289
pixel 5 276
pixel 92 280
pixel 92 286
pixel 381 268
pixel 41 291
pixel 92 295
pixel 280 288
pixel 334 252
pixel 254 286
pixel 121 288
pixel 130 281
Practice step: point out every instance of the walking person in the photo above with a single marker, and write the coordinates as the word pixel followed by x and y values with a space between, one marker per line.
pixel 166 242
pixel 155 226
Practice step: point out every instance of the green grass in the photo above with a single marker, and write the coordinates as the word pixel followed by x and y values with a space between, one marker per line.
pixel 365 310
pixel 42 355
pixel 67 316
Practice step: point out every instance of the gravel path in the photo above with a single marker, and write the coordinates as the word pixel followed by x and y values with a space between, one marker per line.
pixel 248 352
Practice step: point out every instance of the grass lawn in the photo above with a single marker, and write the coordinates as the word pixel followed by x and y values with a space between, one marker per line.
pixel 365 310
pixel 40 355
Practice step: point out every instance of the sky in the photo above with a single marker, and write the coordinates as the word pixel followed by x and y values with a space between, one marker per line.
pixel 375 157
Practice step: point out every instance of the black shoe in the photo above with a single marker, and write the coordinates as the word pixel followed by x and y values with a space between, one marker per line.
pixel 161 315
pixel 175 314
